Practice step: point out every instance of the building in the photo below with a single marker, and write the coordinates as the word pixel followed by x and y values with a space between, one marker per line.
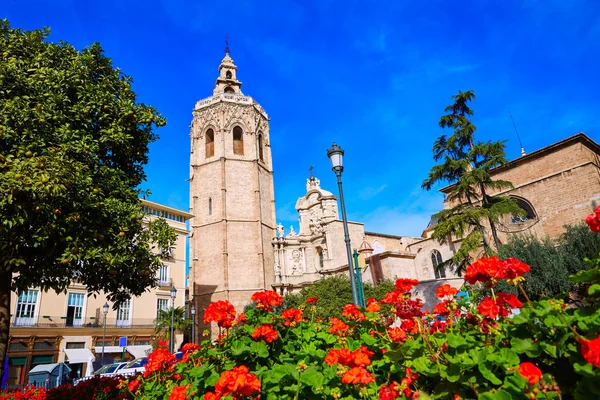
pixel 231 195
pixel 49 327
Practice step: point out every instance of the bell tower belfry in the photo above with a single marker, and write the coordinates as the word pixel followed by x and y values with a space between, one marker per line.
pixel 231 196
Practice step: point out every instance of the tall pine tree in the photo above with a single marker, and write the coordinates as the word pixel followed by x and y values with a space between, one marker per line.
pixel 465 164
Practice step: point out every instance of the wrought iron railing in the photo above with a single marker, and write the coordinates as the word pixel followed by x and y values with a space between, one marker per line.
pixel 48 321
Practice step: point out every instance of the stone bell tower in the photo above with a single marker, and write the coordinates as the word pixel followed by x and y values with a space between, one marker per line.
pixel 231 196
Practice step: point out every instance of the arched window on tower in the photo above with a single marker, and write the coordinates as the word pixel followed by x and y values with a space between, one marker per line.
pixel 321 257
pixel 229 89
pixel 238 141
pixel 436 259
pixel 228 75
pixel 209 206
pixel 210 143
pixel 260 147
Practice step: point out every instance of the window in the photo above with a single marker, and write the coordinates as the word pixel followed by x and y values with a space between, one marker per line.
pixel 25 312
pixel 75 309
pixel 161 305
pixel 75 345
pixel 260 147
pixel 124 313
pixel 210 143
pixel 163 275
pixel 238 141
pixel 321 257
pixel 209 206
pixel 529 212
pixel 229 89
pixel 228 75
pixel 436 259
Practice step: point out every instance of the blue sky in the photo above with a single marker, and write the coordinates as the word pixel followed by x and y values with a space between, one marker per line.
pixel 374 76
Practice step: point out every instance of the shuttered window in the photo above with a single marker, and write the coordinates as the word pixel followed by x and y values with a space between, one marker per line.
pixel 210 143
pixel 238 141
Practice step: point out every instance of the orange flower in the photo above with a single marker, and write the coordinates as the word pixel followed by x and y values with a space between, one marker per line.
pixel 292 315
pixel 590 350
pixel 360 357
pixel 397 334
pixel 342 356
pixel 222 312
pixel 443 308
pixel 593 220
pixel 237 382
pixel 265 332
pixel 373 305
pixel 267 300
pixel 445 290
pixel 352 312
pixel 157 360
pixel 530 372
pixel 211 396
pixel 338 327
pixel 178 392
pixel 312 300
pixel 405 285
pixel 357 375
pixel 392 297
pixel 488 308
pixel 133 385
pixel 189 347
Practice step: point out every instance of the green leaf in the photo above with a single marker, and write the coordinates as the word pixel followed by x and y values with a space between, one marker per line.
pixel 488 374
pixel 594 290
pixel 260 349
pixel 520 345
pixel 312 377
pixel 586 276
pixel 368 339
pixel 238 348
pixel 456 341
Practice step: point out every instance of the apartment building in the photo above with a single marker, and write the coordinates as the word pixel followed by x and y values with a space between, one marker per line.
pixel 47 327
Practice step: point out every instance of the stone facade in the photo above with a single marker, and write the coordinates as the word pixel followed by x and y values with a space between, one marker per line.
pixel 231 196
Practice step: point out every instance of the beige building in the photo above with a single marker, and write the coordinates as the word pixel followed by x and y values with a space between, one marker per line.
pixel 47 327
pixel 231 195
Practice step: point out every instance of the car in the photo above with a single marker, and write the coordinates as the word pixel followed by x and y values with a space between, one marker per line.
pixel 105 370
pixel 133 367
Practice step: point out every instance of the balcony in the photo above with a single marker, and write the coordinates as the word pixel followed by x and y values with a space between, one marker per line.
pixel 47 321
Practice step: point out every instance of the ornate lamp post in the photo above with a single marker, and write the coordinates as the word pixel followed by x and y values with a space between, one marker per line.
pixel 366 250
pixel 105 311
pixel 173 295
pixel 193 311
pixel 336 155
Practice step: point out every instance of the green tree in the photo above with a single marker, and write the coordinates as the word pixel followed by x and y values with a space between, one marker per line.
pixel 163 322
pixel 465 164
pixel 73 144
pixel 333 294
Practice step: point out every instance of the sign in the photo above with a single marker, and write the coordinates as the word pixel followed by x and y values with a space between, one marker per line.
pixel 123 341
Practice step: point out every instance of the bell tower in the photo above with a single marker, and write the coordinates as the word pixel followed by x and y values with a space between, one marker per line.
pixel 231 196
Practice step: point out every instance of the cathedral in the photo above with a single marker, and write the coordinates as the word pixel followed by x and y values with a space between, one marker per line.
pixel 237 248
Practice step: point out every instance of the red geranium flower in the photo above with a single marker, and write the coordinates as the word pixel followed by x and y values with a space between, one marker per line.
pixel 530 372
pixel 483 270
pixel 133 385
pixel 157 360
pixel 211 396
pixel 443 308
pixel 267 300
pixel 178 392
pixel 405 285
pixel 265 332
pixel 514 268
pixel 392 297
pixel 388 392
pixel 312 300
pixel 292 315
pixel 408 325
pixel 397 334
pixel 237 382
pixel 189 347
pixel 373 306
pixel 338 327
pixel 357 375
pixel 593 220
pixel 590 350
pixel 342 356
pixel 352 312
pixel 488 308
pixel 222 312
pixel 445 290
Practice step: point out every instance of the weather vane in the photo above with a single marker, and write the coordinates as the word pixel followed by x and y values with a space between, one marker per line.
pixel 226 43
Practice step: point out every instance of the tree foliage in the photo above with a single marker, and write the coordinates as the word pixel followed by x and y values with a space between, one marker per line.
pixel 163 322
pixel 333 294
pixel 465 164
pixel 73 145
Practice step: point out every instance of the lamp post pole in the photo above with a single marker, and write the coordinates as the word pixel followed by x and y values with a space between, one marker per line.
pixel 173 295
pixel 193 311
pixel 336 154
pixel 359 286
pixel 105 310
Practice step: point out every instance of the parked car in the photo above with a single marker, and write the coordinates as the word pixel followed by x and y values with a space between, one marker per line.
pixel 133 367
pixel 105 370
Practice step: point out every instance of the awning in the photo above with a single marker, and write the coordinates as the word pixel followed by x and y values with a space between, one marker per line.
pixel 79 356
pixel 108 349
pixel 139 351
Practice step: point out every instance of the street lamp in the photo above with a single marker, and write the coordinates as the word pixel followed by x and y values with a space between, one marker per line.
pixel 336 155
pixel 193 311
pixel 105 310
pixel 366 250
pixel 173 295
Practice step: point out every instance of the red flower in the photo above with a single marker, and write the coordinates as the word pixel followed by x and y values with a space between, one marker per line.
pixel 157 360
pixel 593 220
pixel 406 309
pixel 405 285
pixel 373 305
pixel 222 312
pixel 443 308
pixel 265 332
pixel 162 343
pixel 530 372
pixel 590 350
pixel 397 334
pixel 312 300
pixel 445 290
pixel 483 270
pixel 178 392
pixel 292 315
pixel 514 268
pixel 338 327
pixel 488 308
pixel 342 356
pixel 237 382
pixel 408 325
pixel 133 385
pixel 357 375
pixel 267 300
pixel 392 297
pixel 388 392
pixel 211 396
pixel 352 312
pixel 189 347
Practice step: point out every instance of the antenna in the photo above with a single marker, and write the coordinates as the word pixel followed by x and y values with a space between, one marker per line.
pixel 517 132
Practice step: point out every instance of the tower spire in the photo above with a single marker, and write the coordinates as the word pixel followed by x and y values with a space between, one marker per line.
pixel 226 44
